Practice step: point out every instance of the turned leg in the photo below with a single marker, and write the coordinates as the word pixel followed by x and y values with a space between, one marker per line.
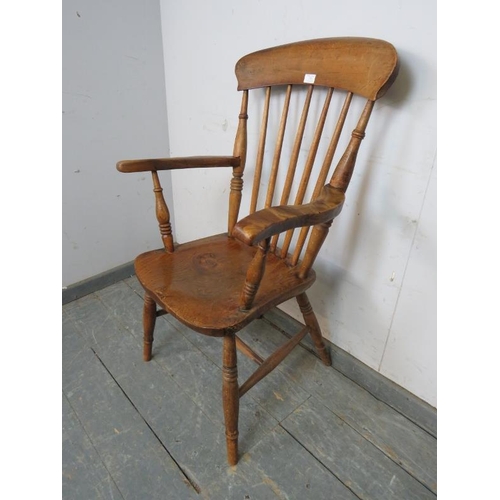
pixel 315 331
pixel 230 397
pixel 148 322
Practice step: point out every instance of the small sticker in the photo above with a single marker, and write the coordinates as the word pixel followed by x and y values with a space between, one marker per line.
pixel 309 78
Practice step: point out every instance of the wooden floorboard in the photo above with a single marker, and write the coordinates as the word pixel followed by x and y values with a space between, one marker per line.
pixel 396 436
pixel 155 430
pixel 133 456
pixel 279 467
pixel 84 473
pixel 418 411
pixel 368 472
pixel 191 369
pixel 279 396
pixel 188 428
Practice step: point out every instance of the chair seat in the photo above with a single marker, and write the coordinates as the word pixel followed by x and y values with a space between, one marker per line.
pixel 201 282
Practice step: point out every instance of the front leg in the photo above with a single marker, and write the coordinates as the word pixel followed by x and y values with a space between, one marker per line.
pixel 230 397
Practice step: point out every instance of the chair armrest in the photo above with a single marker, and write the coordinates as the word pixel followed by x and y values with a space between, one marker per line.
pixel 149 165
pixel 274 220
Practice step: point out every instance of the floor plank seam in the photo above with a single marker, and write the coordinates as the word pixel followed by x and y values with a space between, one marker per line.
pixel 318 460
pixel 314 353
pixel 159 365
pixel 295 409
pixel 132 288
pixel 255 400
pixel 200 406
pixel 311 350
pixel 92 444
pixel 187 393
pixel 290 335
pixel 194 345
pixel 402 458
pixel 400 465
pixel 190 481
pixel 164 369
pixel 347 423
pixel 164 318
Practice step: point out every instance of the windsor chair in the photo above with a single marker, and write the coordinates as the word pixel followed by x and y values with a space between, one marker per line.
pixel 219 284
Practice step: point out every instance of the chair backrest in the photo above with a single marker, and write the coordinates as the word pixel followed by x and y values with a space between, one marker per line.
pixel 298 73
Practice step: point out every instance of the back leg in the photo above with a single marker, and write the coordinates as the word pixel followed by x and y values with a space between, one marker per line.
pixel 315 331
pixel 148 322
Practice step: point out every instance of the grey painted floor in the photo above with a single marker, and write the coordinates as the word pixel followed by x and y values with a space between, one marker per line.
pixel 155 430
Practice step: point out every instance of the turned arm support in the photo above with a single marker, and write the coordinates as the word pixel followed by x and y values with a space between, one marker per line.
pixel 274 220
pixel 257 229
pixel 149 165
pixel 153 165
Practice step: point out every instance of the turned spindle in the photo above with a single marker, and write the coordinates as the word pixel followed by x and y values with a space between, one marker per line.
pixel 230 397
pixel 318 236
pixel 343 172
pixel 162 214
pixel 240 150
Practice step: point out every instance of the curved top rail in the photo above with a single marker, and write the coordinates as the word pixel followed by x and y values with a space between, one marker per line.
pixel 364 66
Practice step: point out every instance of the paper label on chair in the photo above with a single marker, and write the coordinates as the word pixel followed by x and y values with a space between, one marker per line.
pixel 309 78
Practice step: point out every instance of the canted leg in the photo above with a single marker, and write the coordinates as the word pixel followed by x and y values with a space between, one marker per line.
pixel 315 331
pixel 230 397
pixel 148 323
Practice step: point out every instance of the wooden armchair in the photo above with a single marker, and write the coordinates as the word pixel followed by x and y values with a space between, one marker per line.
pixel 219 284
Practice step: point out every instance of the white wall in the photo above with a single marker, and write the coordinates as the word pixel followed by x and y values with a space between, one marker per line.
pixel 375 295
pixel 114 108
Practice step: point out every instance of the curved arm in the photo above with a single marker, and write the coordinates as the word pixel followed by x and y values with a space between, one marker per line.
pixel 151 165
pixel 274 220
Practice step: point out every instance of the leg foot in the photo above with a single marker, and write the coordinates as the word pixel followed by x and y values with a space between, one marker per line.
pixel 315 331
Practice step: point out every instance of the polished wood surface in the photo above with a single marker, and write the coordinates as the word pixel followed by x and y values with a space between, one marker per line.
pixel 260 152
pixel 343 172
pixel 160 422
pixel 148 322
pixel 364 66
pixel 218 267
pixel 269 221
pixel 147 165
pixel 239 151
pixel 218 285
pixel 162 214
pixel 314 329
pixel 230 397
pixel 278 148
pixel 248 351
pixel 254 276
